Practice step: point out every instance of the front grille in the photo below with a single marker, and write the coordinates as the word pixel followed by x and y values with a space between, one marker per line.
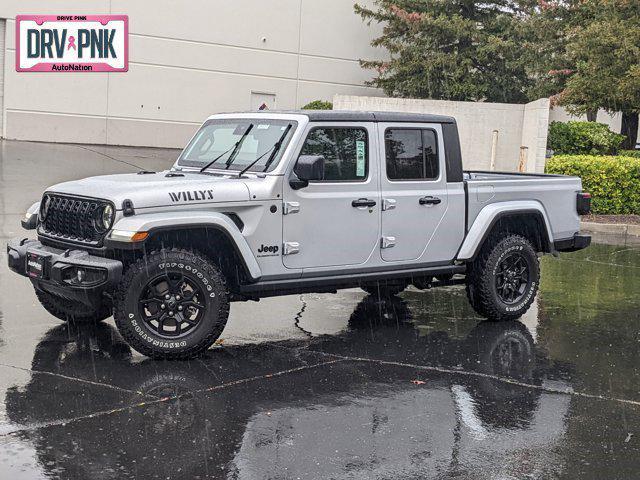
pixel 73 219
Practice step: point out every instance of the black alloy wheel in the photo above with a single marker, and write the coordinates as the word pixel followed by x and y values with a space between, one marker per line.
pixel 172 304
pixel 512 278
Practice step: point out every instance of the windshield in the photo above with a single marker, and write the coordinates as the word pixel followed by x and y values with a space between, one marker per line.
pixel 219 136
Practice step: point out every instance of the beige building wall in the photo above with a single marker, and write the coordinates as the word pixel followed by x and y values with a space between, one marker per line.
pixel 188 60
pixel 516 126
pixel 535 127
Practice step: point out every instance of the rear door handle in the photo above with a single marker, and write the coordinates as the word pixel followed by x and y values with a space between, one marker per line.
pixel 363 202
pixel 428 200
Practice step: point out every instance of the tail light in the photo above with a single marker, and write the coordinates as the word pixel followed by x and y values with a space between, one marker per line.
pixel 583 204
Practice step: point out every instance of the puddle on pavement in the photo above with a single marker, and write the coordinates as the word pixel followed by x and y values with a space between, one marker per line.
pixel 341 386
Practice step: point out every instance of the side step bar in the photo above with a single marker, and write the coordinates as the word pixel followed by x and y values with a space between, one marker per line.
pixel 332 283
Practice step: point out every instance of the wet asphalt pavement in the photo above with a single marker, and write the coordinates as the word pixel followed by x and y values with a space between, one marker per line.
pixel 323 386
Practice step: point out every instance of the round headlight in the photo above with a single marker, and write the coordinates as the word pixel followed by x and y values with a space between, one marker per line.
pixel 107 217
pixel 44 207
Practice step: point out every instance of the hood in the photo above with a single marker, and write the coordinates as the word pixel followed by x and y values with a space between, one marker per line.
pixel 156 189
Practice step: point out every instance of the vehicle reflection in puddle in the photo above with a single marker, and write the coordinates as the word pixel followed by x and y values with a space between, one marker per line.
pixel 337 386
pixel 349 404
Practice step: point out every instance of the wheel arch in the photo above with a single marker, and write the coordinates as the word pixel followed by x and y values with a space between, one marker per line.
pixel 528 219
pixel 214 234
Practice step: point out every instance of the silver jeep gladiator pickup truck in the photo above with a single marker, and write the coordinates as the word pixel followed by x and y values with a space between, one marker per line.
pixel 274 203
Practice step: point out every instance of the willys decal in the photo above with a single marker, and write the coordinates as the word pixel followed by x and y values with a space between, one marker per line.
pixel 191 196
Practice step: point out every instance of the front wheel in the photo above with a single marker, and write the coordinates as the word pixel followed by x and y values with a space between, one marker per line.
pixel 172 304
pixel 504 279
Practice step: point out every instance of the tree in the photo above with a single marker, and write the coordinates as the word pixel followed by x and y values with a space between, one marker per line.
pixel 318 105
pixel 606 53
pixel 596 63
pixel 452 50
pixel 546 50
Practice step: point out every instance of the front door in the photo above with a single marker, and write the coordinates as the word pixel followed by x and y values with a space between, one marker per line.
pixel 335 222
pixel 414 190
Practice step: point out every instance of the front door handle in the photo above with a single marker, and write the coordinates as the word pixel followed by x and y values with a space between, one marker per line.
pixel 429 200
pixel 363 202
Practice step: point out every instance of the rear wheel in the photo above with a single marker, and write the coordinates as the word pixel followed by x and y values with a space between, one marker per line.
pixel 172 304
pixel 504 278
pixel 72 311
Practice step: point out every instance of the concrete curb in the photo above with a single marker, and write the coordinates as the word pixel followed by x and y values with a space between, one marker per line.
pixel 612 233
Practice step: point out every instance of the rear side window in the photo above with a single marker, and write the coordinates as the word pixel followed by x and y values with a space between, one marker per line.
pixel 411 154
pixel 346 152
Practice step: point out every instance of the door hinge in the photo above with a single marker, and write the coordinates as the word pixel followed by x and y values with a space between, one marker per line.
pixel 290 207
pixel 387 242
pixel 290 248
pixel 388 204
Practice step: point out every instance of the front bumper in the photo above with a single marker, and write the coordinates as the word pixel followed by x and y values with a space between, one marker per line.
pixel 577 242
pixel 59 272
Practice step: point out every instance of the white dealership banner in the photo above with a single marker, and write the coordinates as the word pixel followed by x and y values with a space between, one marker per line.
pixel 72 43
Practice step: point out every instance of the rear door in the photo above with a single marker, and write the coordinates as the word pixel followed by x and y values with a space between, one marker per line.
pixel 414 189
pixel 336 221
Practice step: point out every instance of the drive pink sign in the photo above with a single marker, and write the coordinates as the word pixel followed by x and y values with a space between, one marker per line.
pixel 72 43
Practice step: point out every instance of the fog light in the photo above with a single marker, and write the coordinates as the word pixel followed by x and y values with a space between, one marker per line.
pixel 83 276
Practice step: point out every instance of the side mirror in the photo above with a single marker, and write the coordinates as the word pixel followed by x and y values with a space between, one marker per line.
pixel 308 168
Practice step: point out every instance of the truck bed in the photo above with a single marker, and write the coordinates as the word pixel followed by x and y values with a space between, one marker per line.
pixel 556 194
pixel 487 175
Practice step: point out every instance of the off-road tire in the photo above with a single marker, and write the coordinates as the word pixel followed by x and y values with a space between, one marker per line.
pixel 481 280
pixel 72 311
pixel 384 290
pixel 143 338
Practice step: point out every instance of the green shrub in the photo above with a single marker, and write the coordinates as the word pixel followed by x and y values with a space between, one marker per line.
pixel 614 182
pixel 318 105
pixel 583 138
pixel 629 153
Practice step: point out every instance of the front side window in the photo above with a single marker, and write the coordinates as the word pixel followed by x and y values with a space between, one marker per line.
pixel 411 154
pixel 345 150
pixel 218 138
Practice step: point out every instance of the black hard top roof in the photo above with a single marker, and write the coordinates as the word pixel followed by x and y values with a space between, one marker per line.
pixel 357 116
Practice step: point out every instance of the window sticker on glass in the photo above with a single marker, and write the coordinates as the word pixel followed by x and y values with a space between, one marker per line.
pixel 263 127
pixel 360 158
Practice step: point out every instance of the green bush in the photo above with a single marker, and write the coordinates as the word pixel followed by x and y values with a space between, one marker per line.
pixel 583 138
pixel 318 105
pixel 614 182
pixel 629 153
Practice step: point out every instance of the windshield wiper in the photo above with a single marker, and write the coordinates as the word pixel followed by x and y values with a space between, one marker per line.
pixel 274 151
pixel 235 148
pixel 232 157
pixel 216 159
